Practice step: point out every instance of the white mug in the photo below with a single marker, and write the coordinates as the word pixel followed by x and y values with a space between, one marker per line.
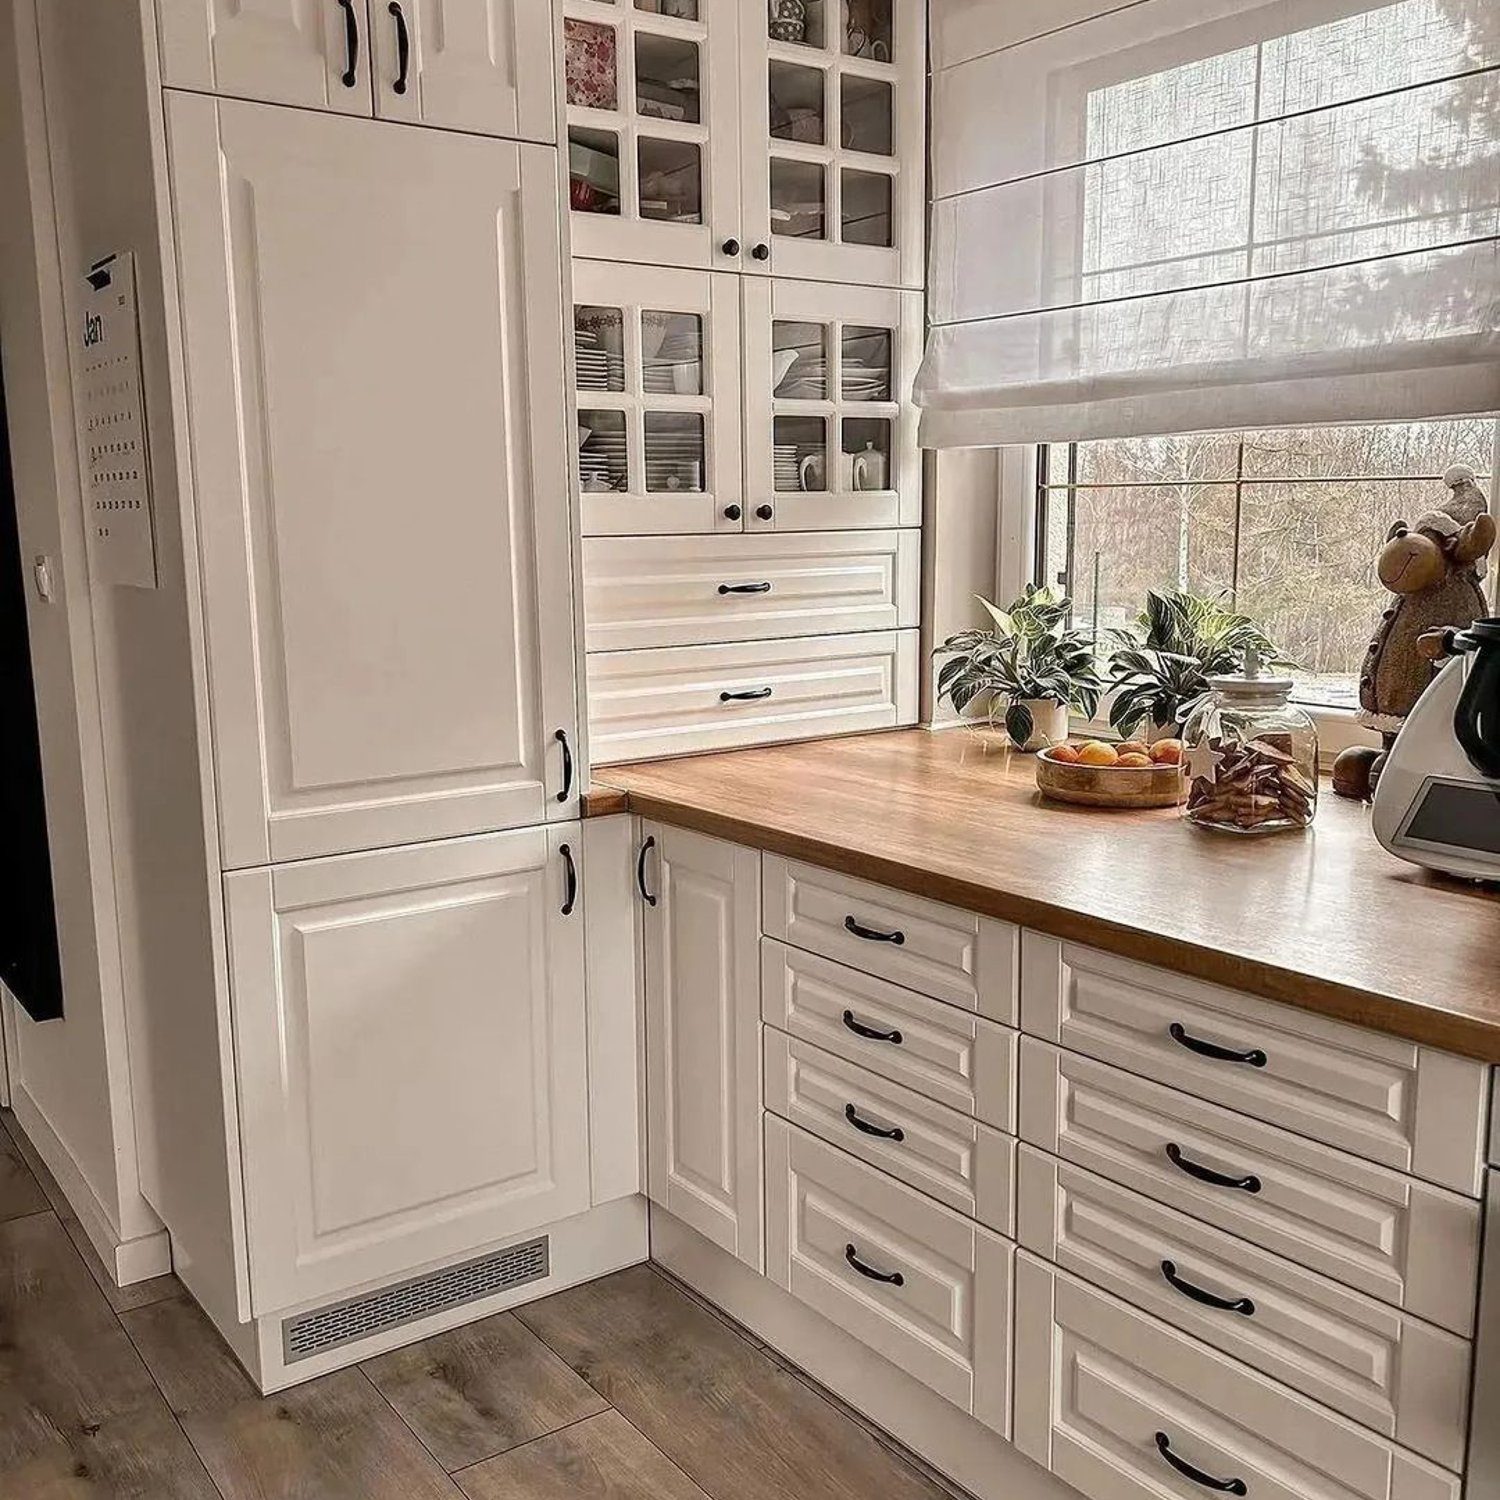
pixel 811 472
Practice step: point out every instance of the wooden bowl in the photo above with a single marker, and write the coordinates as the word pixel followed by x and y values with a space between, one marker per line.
pixel 1110 786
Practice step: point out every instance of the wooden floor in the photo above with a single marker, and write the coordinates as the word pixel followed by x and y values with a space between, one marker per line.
pixel 627 1388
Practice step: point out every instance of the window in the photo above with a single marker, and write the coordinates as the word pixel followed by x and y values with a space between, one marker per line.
pixel 1285 524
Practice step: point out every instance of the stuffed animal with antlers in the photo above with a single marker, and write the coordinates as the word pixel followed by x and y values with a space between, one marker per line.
pixel 1434 567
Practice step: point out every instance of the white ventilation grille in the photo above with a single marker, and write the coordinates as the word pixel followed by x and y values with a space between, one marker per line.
pixel 362 1317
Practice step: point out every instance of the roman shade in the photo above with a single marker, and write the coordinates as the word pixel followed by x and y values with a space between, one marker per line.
pixel 1183 215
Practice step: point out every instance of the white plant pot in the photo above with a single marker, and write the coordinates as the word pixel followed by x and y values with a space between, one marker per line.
pixel 1049 723
pixel 1155 732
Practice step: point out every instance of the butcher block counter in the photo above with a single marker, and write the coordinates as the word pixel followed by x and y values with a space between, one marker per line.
pixel 1325 920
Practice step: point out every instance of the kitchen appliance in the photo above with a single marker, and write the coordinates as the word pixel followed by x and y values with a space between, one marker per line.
pixel 1438 799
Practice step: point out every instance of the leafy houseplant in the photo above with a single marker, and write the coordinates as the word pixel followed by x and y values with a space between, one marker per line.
pixel 1030 659
pixel 1187 638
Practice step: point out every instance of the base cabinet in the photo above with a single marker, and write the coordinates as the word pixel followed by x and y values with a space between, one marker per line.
pixel 412 1058
pixel 703 1071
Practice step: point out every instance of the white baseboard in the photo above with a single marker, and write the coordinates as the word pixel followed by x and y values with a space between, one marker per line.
pixel 966 1451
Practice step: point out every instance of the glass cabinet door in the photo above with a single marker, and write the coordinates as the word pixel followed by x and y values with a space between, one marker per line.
pixel 653 130
pixel 656 359
pixel 830 431
pixel 834 140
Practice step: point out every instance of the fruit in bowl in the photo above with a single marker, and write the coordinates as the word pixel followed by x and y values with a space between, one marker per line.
pixel 1095 773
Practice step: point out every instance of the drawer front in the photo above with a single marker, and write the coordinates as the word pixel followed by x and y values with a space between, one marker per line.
pixel 1403 1241
pixel 1106 1398
pixel 953 1056
pixel 934 1295
pixel 1382 1098
pixel 932 1148
pixel 936 950
pixel 687 698
pixel 1394 1373
pixel 643 592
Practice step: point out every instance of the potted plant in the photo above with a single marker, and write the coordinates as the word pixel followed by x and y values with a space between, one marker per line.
pixel 1186 639
pixel 1033 661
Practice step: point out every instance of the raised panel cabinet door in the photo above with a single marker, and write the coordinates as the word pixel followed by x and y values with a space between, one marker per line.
pixel 703 1063
pixel 478 65
pixel 373 332
pixel 412 1057
pixel 313 53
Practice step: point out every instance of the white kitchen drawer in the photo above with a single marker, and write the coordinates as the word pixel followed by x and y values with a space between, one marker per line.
pixel 688 698
pixel 935 1294
pixel 954 1056
pixel 1104 1394
pixel 1409 1107
pixel 1394 1373
pixel 1406 1242
pixel 937 950
pixel 932 1148
pixel 643 592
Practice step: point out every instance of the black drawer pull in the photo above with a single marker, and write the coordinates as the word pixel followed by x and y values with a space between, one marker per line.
pixel 744 588
pixel 1254 1058
pixel 752 696
pixel 869 1033
pixel 1250 1184
pixel 562 739
pixel 871 935
pixel 570 899
pixel 350 76
pixel 890 1278
pixel 1242 1305
pixel 1187 1470
pixel 403 47
pixel 852 1115
pixel 640 872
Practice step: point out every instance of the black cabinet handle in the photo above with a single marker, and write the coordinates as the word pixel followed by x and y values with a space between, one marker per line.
pixel 870 935
pixel 762 251
pixel 732 513
pixel 731 247
pixel 351 44
pixel 744 588
pixel 640 872
pixel 403 48
pixel 1250 1184
pixel 562 739
pixel 570 871
pixel 1188 1471
pixel 1254 1058
pixel 869 1033
pixel 890 1278
pixel 852 1115
pixel 1242 1305
pixel 752 696
pixel 765 512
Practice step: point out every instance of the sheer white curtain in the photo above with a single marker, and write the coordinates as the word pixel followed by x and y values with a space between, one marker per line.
pixel 1179 215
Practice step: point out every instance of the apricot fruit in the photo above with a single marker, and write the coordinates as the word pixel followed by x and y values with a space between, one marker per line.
pixel 1097 753
pixel 1136 759
pixel 1167 752
pixel 1131 747
pixel 1065 754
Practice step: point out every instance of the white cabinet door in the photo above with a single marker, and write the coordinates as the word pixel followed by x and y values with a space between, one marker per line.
pixel 314 53
pixel 373 330
pixel 830 429
pixel 834 135
pixel 653 130
pixel 656 358
pixel 703 1035
pixel 478 65
pixel 409 1028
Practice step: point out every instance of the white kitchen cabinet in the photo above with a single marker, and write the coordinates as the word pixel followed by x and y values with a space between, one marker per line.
pixel 835 142
pixel 653 130
pixel 475 65
pixel 411 1054
pixel 657 371
pixel 373 332
pixel 703 1063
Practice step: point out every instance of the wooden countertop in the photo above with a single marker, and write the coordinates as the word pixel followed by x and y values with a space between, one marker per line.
pixel 1325 920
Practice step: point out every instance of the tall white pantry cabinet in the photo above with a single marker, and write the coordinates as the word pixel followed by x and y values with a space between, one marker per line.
pixel 343 733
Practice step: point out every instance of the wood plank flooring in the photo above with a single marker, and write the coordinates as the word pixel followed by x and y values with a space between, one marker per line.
pixel 625 1389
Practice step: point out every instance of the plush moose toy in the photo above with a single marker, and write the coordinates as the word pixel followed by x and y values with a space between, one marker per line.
pixel 1433 567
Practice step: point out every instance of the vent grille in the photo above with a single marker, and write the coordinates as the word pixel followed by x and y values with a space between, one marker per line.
pixel 376 1312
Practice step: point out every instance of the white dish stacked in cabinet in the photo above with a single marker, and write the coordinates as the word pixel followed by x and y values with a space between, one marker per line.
pixel 749 481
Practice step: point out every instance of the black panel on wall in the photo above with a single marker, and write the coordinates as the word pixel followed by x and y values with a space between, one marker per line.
pixel 29 960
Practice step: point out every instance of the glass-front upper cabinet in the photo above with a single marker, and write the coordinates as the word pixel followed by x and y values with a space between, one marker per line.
pixel 653 130
pixel 657 362
pixel 834 138
pixel 830 432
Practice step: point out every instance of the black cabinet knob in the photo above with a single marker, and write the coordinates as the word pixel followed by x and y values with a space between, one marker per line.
pixel 764 512
pixel 732 512
pixel 731 247
pixel 762 251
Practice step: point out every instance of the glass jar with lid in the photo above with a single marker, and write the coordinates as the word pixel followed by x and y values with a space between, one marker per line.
pixel 1252 756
